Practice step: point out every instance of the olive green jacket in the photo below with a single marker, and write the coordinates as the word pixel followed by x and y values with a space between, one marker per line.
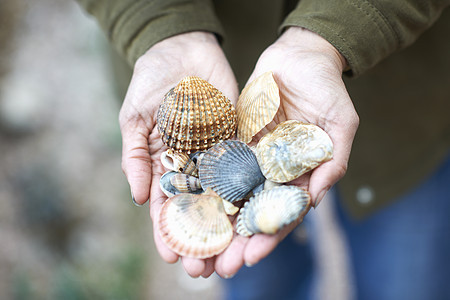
pixel 403 102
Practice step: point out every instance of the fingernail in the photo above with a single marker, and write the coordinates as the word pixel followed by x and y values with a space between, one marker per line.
pixel 228 276
pixel 134 201
pixel 249 264
pixel 320 197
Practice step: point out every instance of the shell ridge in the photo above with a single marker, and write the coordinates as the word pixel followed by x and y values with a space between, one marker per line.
pixel 194 115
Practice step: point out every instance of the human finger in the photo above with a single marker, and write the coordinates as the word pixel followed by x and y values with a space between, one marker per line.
pixel 231 259
pixel 193 266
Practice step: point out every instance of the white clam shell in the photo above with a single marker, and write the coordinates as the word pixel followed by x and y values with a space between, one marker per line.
pixel 230 169
pixel 291 149
pixel 195 225
pixel 271 210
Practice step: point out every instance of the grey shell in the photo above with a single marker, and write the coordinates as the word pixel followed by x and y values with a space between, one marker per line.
pixel 231 169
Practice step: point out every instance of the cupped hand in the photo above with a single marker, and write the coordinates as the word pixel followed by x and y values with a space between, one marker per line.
pixel 155 73
pixel 308 71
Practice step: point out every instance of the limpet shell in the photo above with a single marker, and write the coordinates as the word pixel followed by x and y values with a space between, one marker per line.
pixel 292 149
pixel 257 105
pixel 178 162
pixel 230 169
pixel 271 210
pixel 195 225
pixel 194 115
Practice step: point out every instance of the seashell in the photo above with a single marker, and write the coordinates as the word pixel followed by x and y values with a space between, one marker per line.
pixel 196 157
pixel 230 209
pixel 292 149
pixel 186 183
pixel 230 169
pixel 195 225
pixel 270 184
pixel 194 115
pixel 173 183
pixel 271 210
pixel 257 105
pixel 178 162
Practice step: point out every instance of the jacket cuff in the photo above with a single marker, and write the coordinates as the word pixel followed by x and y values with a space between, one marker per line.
pixel 133 26
pixel 356 29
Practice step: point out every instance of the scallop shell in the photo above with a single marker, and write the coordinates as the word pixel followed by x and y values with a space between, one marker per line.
pixel 178 162
pixel 194 115
pixel 173 183
pixel 271 210
pixel 292 149
pixel 257 106
pixel 230 169
pixel 195 225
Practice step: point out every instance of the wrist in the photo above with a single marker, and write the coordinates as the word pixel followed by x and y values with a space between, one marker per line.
pixel 189 37
pixel 189 45
pixel 307 41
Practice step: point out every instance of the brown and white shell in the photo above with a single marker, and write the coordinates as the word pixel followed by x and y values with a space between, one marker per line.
pixel 231 169
pixel 173 183
pixel 194 116
pixel 257 105
pixel 270 210
pixel 178 162
pixel 195 225
pixel 291 149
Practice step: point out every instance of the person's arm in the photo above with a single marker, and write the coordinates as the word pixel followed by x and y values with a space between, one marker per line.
pixel 133 26
pixel 366 32
pixel 165 40
pixel 320 39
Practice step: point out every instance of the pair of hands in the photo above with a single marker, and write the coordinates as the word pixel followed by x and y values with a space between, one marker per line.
pixel 308 71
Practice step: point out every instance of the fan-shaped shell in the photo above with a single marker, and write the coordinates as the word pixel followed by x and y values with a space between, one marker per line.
pixel 292 149
pixel 178 162
pixel 230 169
pixel 271 210
pixel 257 106
pixel 195 225
pixel 194 115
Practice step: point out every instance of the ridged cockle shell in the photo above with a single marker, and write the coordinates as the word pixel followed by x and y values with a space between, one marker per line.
pixel 292 149
pixel 194 115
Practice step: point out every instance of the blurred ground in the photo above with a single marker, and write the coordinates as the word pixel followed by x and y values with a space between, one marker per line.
pixel 68 229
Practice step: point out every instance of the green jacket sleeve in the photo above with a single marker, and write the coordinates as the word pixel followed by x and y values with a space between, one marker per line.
pixel 365 32
pixel 133 26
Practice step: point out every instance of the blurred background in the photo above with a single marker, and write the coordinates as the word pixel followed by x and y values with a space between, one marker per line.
pixel 68 228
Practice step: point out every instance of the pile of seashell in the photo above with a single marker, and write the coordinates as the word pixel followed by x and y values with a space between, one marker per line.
pixel 210 174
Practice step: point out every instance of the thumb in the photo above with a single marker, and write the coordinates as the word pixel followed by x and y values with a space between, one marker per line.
pixel 136 161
